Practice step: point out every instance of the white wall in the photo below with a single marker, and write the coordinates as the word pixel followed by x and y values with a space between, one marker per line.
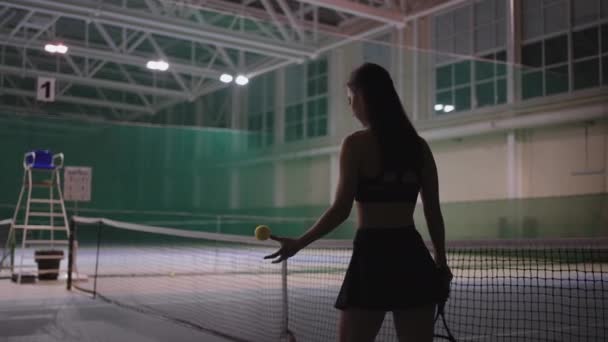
pixel 472 169
pixel 306 181
pixel 548 162
pixel 552 157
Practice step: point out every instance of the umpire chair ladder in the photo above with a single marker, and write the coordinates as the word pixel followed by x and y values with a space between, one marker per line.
pixel 44 223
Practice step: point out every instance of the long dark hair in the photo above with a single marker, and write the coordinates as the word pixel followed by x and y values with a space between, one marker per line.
pixel 399 142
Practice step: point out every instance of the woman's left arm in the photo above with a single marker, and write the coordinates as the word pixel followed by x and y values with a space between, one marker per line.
pixel 337 213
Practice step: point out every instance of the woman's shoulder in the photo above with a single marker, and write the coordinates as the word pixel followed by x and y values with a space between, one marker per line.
pixel 360 135
pixel 355 141
pixel 424 146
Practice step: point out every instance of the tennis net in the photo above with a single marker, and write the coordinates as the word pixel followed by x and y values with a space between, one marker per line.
pixel 507 290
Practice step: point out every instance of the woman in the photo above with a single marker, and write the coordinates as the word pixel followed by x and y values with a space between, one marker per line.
pixel 383 168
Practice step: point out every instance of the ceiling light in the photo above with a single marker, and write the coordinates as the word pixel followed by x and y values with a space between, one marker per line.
pixel 157 65
pixel 56 48
pixel 163 66
pixel 50 48
pixel 226 78
pixel 448 108
pixel 439 107
pixel 241 80
pixel 62 48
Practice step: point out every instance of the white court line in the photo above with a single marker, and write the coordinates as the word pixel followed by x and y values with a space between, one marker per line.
pixel 26 317
pixel 31 306
pixel 516 333
pixel 99 304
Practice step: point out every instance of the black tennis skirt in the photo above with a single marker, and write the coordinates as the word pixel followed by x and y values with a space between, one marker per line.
pixel 390 269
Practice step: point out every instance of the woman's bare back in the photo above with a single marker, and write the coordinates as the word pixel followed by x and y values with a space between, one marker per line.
pixel 378 214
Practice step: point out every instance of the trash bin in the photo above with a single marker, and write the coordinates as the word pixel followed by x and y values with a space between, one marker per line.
pixel 48 263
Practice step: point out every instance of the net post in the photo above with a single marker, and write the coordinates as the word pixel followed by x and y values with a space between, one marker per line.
pixel 97 258
pixel 72 232
pixel 285 299
pixel 218 228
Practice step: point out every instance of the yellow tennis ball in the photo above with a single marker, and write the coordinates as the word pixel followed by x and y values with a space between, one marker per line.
pixel 262 232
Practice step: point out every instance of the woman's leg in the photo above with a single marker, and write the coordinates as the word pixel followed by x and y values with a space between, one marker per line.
pixel 415 324
pixel 358 325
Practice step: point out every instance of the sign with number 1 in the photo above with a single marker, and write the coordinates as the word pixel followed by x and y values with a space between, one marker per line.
pixel 46 89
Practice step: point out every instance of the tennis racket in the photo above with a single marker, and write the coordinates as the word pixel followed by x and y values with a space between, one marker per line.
pixel 446 280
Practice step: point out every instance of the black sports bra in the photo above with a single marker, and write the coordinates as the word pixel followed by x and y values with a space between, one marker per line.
pixel 389 186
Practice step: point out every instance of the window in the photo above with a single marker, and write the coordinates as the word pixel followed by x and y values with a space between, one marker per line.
pixel 587 11
pixel 260 111
pixel 261 128
pixel 463 83
pixel 453 87
pixel 586 57
pixel 546 69
pixel 317 117
pixel 306 103
pixel 378 52
pixel 543 17
pixel 491 79
pixel 294 122
pixel 564 53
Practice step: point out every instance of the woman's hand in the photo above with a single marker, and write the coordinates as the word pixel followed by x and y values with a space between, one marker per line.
pixel 445 278
pixel 445 273
pixel 289 247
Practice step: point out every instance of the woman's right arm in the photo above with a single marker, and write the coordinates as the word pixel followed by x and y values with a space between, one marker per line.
pixel 430 200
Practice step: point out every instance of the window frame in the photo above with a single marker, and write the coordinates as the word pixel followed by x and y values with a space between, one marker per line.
pixel 305 101
pixel 571 61
pixel 473 58
pixel 266 113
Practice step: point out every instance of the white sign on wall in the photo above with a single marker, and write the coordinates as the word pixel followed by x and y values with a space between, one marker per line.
pixel 77 183
pixel 45 89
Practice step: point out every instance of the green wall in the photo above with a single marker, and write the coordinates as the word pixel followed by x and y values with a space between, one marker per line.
pixel 178 177
pixel 134 167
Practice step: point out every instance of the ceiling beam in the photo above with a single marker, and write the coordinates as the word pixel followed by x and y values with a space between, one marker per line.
pixel 96 82
pixel 227 7
pixel 21 23
pixel 433 9
pixel 261 68
pixel 111 56
pixel 278 24
pixel 165 26
pixel 360 10
pixel 81 100
pixel 360 36
pixel 178 78
pixel 292 20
